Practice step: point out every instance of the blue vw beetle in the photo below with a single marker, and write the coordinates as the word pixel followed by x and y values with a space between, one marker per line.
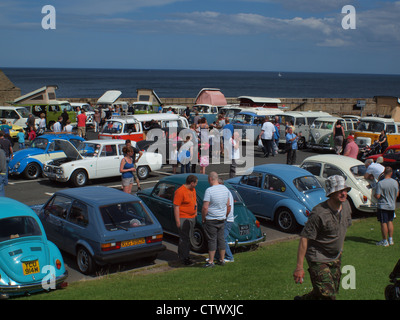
pixel 29 161
pixel 283 193
pixel 29 263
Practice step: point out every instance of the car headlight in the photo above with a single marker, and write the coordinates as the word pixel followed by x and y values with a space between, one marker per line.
pixel 58 170
pixel 17 165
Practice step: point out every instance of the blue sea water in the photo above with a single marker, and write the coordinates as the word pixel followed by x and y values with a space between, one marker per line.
pixel 92 83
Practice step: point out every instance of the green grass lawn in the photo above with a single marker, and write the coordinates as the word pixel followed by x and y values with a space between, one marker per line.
pixel 263 274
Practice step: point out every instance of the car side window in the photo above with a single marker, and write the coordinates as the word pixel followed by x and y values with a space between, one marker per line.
pixel 313 168
pixel 331 170
pixel 109 150
pixel 58 207
pixel 273 183
pixel 165 191
pixel 253 180
pixel 79 214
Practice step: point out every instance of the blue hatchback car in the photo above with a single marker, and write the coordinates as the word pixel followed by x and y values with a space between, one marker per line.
pixel 101 225
pixel 29 263
pixel 29 161
pixel 283 193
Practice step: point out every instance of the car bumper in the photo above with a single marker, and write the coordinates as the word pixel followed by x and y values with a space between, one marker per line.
pixel 119 257
pixel 368 208
pixel 320 147
pixel 238 243
pixel 55 177
pixel 13 290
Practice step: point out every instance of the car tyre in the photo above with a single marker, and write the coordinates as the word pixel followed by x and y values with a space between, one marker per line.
pixel 285 220
pixel 84 261
pixel 79 178
pixel 32 171
pixel 198 240
pixel 143 172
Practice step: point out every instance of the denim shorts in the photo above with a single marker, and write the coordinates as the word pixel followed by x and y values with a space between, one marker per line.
pixel 127 182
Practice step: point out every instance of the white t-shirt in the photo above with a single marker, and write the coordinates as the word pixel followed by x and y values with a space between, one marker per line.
pixel 375 169
pixel 230 217
pixel 218 197
pixel 235 152
pixel 268 129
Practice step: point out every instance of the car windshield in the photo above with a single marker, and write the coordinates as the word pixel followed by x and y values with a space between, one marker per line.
pixel 112 127
pixel 306 183
pixel 371 126
pixel 142 107
pixel 18 227
pixel 242 118
pixel 88 149
pixel 23 112
pixel 40 143
pixel 319 124
pixel 124 216
pixel 358 171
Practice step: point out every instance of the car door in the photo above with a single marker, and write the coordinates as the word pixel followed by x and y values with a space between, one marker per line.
pixel 273 190
pixel 75 226
pixel 108 161
pixel 162 198
pixel 53 218
pixel 249 188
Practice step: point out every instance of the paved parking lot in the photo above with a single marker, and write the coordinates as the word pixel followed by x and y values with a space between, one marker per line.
pixel 38 191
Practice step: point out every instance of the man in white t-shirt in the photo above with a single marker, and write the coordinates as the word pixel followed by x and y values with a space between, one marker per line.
pixel 374 170
pixel 234 153
pixel 216 207
pixel 266 136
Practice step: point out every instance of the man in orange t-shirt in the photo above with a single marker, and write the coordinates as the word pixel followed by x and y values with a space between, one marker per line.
pixel 185 211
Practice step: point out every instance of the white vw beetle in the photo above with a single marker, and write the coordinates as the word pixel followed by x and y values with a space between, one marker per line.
pixel 323 166
pixel 95 159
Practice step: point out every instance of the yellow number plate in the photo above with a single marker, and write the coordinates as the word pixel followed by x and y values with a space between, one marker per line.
pixel 134 242
pixel 30 267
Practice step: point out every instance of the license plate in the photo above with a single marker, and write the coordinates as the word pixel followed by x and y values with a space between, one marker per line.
pixel 134 242
pixel 30 267
pixel 244 229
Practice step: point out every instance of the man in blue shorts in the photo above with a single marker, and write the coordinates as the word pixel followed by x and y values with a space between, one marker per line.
pixel 387 191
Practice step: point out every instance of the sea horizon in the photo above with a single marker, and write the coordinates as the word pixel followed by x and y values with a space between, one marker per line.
pixel 182 83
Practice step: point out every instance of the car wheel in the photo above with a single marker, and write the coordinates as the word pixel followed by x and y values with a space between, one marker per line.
pixel 32 171
pixel 198 240
pixel 285 220
pixel 143 172
pixel 79 178
pixel 84 261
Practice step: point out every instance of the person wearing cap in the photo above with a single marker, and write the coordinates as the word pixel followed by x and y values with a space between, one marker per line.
pixel 321 242
pixel 351 150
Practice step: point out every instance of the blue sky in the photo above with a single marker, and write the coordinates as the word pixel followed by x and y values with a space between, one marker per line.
pixel 253 35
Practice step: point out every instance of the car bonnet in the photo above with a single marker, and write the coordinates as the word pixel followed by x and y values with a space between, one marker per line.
pixel 69 149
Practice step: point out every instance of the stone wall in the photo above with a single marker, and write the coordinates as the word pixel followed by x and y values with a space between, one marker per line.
pixel 334 106
pixel 8 91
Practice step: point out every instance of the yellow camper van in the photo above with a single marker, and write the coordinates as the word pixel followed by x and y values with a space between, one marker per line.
pixel 369 129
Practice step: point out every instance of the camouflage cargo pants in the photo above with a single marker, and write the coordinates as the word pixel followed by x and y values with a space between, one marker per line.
pixel 325 278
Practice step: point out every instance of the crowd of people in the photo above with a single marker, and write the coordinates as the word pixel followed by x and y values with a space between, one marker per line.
pixel 322 238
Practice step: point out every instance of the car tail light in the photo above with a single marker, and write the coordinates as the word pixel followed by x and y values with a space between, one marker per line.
pixel 110 246
pixel 258 224
pixel 307 213
pixel 365 199
pixel 58 264
pixel 153 239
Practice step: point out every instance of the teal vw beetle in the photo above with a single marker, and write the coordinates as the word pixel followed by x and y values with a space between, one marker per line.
pixel 245 231
pixel 29 263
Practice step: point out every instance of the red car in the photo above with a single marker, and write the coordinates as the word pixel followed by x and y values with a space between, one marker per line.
pixel 390 156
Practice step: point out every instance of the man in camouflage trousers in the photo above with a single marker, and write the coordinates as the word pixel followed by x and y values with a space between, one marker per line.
pixel 321 242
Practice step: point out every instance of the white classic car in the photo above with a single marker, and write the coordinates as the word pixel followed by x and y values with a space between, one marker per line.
pixel 96 159
pixel 323 166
